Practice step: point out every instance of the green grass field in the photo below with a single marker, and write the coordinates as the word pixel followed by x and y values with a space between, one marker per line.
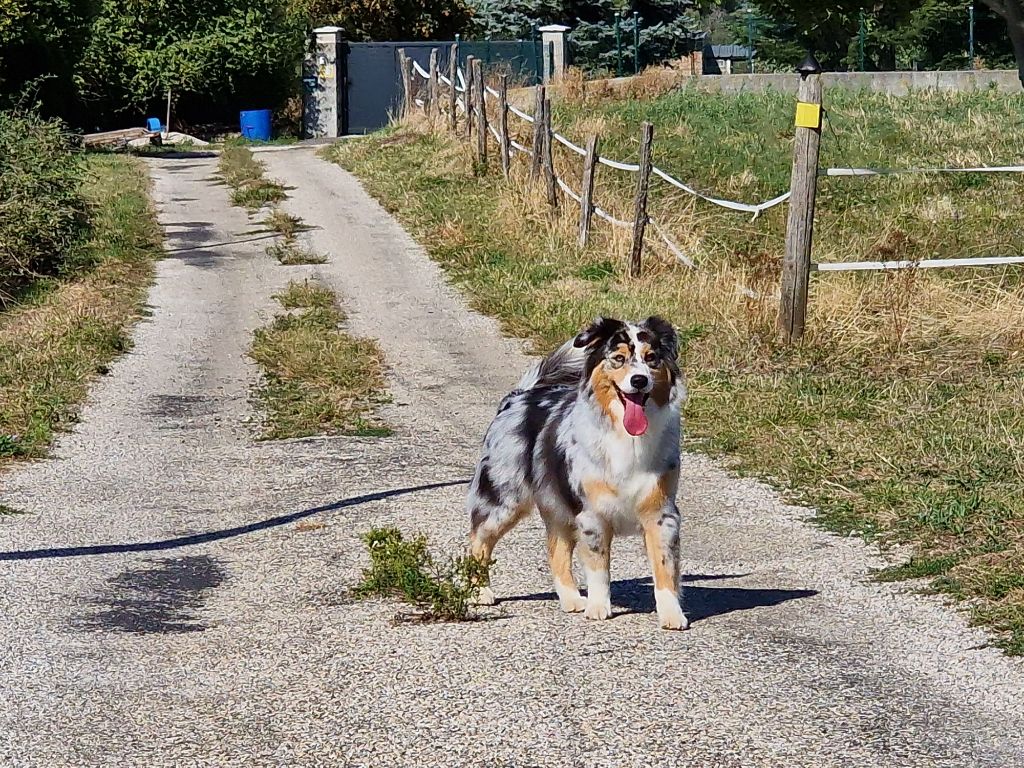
pixel 901 415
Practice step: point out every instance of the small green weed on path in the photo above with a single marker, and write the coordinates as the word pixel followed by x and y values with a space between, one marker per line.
pixel 406 570
pixel 317 379
pixel 66 331
pixel 901 416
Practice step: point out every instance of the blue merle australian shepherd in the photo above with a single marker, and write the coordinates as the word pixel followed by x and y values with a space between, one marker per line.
pixel 590 437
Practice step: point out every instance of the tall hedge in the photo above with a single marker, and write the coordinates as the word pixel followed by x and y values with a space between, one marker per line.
pixel 43 216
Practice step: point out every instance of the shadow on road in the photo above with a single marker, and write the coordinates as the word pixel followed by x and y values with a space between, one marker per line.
pixel 637 596
pixel 225 533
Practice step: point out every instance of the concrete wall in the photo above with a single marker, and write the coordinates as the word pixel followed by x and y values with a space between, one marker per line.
pixel 896 83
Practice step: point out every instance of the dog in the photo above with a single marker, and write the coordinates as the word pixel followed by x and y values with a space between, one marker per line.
pixel 590 438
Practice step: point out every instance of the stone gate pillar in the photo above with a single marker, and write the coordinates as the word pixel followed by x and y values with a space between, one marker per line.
pixel 323 84
pixel 554 39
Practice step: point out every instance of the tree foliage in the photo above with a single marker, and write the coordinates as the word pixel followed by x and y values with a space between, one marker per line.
pixel 666 27
pixel 229 52
pixel 364 20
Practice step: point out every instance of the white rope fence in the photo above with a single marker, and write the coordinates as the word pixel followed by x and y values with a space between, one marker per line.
pixel 674 249
pixel 752 208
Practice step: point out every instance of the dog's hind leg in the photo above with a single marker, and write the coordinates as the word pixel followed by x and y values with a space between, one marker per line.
pixel 487 525
pixel 561 544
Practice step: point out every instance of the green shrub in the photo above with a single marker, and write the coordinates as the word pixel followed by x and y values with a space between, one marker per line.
pixel 43 215
pixel 407 570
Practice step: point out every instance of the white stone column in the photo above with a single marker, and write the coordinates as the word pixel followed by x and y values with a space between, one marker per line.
pixel 322 80
pixel 554 40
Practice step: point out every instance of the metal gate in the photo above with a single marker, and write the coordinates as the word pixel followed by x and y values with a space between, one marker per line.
pixel 372 87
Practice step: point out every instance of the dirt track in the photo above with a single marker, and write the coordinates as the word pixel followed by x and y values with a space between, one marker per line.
pixel 227 560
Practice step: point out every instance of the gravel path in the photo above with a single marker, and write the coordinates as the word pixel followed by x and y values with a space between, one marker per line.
pixel 176 596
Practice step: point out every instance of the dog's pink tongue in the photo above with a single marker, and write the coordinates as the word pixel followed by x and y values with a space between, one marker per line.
pixel 635 420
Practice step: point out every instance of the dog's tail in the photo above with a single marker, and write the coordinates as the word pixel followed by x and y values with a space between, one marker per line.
pixel 562 367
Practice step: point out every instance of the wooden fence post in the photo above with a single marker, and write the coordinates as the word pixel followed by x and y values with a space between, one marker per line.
pixel 538 131
pixel 640 203
pixel 404 63
pixel 549 166
pixel 453 74
pixel 796 263
pixel 434 106
pixel 587 192
pixel 470 89
pixel 481 111
pixel 503 124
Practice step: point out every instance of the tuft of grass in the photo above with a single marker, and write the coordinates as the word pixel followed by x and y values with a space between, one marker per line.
pixel 250 188
pixel 405 569
pixel 899 416
pixel 283 223
pixel 8 510
pixel 317 379
pixel 306 295
pixel 65 332
pixel 290 253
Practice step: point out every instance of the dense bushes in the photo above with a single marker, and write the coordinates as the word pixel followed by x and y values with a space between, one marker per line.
pixel 42 212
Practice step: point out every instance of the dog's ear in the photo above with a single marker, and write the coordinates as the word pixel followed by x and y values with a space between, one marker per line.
pixel 663 331
pixel 598 331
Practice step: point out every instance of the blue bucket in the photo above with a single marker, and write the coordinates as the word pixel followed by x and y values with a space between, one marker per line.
pixel 255 124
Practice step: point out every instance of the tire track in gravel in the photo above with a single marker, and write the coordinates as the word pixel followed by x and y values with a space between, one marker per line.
pixel 795 659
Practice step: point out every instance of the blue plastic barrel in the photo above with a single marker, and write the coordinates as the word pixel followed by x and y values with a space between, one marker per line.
pixel 255 124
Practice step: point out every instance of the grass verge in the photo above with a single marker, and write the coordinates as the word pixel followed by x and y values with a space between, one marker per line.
pixel 317 379
pixel 405 569
pixel 64 332
pixel 899 418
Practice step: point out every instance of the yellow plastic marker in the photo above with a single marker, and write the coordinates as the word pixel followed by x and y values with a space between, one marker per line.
pixel 808 115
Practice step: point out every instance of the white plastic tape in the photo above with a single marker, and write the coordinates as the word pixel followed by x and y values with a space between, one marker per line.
pixel 420 70
pixel 676 251
pixel 564 141
pixel 462 80
pixel 981 261
pixel 617 165
pixel 897 171
pixel 520 113
pixel 568 190
pixel 730 204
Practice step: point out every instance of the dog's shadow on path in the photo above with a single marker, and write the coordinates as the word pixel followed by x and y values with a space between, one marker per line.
pixel 637 596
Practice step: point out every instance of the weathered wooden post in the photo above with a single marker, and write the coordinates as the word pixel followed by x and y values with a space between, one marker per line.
pixel 404 64
pixel 796 263
pixel 469 96
pixel 481 111
pixel 503 125
pixel 538 131
pixel 551 186
pixel 434 105
pixel 643 183
pixel 587 192
pixel 453 74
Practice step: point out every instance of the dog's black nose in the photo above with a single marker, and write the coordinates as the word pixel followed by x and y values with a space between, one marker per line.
pixel 638 381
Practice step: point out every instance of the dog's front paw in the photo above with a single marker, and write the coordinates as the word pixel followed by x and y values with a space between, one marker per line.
pixel 598 610
pixel 572 603
pixel 670 613
pixel 673 620
pixel 485 596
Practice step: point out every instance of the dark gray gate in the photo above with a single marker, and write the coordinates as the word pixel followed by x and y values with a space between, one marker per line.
pixel 373 82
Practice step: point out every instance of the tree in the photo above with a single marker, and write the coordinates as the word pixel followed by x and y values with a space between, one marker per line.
pixel 667 27
pixel 364 20
pixel 216 55
pixel 1012 11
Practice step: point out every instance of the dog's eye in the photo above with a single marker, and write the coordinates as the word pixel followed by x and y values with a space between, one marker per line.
pixel 617 361
pixel 652 360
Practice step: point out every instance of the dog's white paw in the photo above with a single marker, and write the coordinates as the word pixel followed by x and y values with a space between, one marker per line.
pixel 598 610
pixel 485 596
pixel 673 618
pixel 572 603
